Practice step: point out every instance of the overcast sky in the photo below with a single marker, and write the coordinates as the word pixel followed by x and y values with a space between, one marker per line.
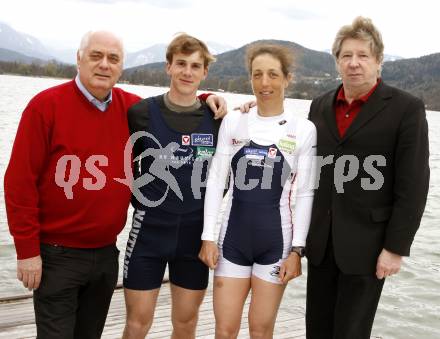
pixel 408 30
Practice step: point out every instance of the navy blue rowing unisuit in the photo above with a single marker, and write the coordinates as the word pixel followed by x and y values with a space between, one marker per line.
pixel 168 217
pixel 270 193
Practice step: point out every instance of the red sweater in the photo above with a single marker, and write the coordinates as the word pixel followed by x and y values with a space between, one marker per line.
pixel 61 121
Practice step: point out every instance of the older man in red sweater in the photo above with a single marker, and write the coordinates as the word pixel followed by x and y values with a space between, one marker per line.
pixel 64 206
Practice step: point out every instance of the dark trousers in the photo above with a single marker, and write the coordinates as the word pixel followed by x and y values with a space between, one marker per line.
pixel 340 306
pixel 75 291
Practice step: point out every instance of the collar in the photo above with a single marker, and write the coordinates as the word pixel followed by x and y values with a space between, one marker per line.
pixel 340 98
pixel 101 105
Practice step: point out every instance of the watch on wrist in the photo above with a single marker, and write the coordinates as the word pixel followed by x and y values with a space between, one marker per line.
pixel 300 250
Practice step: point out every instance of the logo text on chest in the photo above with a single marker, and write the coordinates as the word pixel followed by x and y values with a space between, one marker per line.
pixel 199 139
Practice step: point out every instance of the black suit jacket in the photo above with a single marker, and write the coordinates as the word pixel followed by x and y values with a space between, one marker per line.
pixel 391 126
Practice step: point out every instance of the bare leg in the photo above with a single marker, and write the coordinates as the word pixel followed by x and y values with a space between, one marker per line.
pixel 265 301
pixel 185 311
pixel 229 298
pixel 140 312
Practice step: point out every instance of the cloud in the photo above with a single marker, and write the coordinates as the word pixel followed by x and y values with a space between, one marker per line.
pixel 311 23
pixel 102 1
pixel 291 12
pixel 172 4
pixel 154 3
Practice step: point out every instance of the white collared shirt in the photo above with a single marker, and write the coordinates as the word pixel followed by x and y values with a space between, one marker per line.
pixel 101 105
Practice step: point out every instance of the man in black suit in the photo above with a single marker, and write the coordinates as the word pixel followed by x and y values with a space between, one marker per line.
pixel 373 140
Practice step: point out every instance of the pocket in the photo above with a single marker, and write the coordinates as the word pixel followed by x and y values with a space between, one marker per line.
pixel 381 214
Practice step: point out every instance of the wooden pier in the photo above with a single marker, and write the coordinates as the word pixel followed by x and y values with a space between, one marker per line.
pixel 17 318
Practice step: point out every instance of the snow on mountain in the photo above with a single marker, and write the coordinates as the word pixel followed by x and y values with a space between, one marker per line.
pixel 156 53
pixel 217 48
pixel 22 43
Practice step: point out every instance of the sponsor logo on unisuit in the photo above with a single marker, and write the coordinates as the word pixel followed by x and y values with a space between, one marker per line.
pixel 186 140
pixel 239 142
pixel 205 152
pixel 202 139
pixel 255 152
pixel 131 242
pixel 286 145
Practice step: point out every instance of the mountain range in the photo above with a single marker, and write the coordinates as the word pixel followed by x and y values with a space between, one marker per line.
pixel 21 43
pixel 156 53
pixel 314 71
pixel 11 56
pixel 314 74
pixel 28 47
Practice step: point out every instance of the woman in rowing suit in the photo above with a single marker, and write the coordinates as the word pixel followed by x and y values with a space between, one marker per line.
pixel 268 154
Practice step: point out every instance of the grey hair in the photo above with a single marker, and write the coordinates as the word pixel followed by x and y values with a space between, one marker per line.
pixel 361 29
pixel 86 39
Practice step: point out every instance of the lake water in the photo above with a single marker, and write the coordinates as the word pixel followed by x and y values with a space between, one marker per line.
pixel 410 303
